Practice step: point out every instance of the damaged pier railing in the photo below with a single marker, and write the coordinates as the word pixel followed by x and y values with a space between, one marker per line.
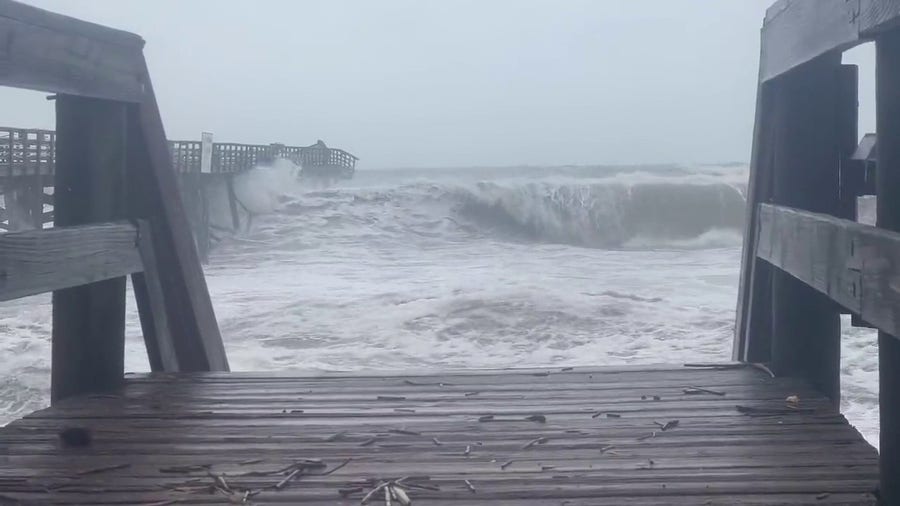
pixel 28 163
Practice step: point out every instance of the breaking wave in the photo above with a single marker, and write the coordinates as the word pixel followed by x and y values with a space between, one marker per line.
pixel 597 214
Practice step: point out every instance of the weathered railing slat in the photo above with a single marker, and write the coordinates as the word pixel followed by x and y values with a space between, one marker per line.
pixel 797 31
pixel 48 52
pixel 33 151
pixel 856 265
pixel 39 261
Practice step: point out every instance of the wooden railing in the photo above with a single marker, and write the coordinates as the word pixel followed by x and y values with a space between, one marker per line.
pixel 806 260
pixel 25 152
pixel 35 262
pixel 185 155
pixel 855 265
pixel 109 162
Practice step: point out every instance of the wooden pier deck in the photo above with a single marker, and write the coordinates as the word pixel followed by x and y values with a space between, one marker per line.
pixel 192 433
pixel 626 435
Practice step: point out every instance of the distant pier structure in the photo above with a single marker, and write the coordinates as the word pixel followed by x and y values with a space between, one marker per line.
pixel 320 161
pixel 28 162
pixel 763 429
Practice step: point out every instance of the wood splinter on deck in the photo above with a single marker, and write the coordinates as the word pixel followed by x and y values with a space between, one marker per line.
pixel 697 390
pixel 103 469
pixel 539 441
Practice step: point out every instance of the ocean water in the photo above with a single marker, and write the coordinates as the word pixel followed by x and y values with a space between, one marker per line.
pixel 499 267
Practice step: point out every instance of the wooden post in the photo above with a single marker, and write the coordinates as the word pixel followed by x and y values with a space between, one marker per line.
pixel 37 200
pixel 232 202
pixel 89 320
pixel 848 139
pixel 201 230
pixel 194 198
pixel 806 327
pixel 150 297
pixel 752 336
pixel 887 182
pixel 153 196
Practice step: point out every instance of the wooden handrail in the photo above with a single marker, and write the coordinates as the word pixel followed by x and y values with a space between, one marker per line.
pixel 28 151
pixel 39 261
pixel 855 265
pixel 798 31
pixel 111 161
pixel 36 52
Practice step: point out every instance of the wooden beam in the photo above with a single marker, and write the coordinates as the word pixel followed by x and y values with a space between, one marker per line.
pixel 820 250
pixel 88 320
pixel 795 32
pixel 65 24
pixel 43 51
pixel 193 194
pixel 853 264
pixel 40 261
pixel 852 172
pixel 806 325
pixel 148 290
pixel 752 340
pixel 152 186
pixel 798 31
pixel 887 183
pixel 878 16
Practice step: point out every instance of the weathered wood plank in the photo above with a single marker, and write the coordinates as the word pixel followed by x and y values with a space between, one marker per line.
pixel 163 431
pixel 851 263
pixel 852 177
pixel 884 287
pixel 89 320
pixel 44 51
pixel 192 321
pixel 752 339
pixel 806 325
pixel 40 261
pixel 65 24
pixel 796 32
pixel 151 304
pixel 877 16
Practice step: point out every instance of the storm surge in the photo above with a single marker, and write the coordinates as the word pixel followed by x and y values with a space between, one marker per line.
pixel 595 213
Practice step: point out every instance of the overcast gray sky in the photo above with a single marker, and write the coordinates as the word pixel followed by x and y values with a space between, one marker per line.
pixel 449 83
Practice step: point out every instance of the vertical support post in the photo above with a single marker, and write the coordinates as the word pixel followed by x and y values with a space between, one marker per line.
pixel 152 194
pixel 887 183
pixel 752 339
pixel 848 137
pixel 206 151
pixel 151 306
pixel 232 202
pixel 37 200
pixel 201 230
pixel 89 320
pixel 806 327
pixel 194 198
